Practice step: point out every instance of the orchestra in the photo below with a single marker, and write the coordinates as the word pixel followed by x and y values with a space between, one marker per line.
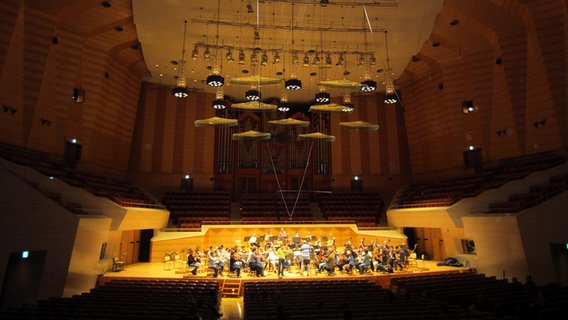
pixel 279 253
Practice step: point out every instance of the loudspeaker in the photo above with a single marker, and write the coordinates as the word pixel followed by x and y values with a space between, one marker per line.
pixel 187 184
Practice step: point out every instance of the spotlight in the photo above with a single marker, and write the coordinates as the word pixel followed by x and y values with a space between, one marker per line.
pixel 241 57
pixel 361 61
pixel 295 59
pixel 316 60
pixel 249 8
pixel 194 54
pixel 306 61
pixel 229 56
pixel 276 58
pixel 468 106
pixel 264 59
pixel 340 61
pixel 253 59
pixel 373 61
pixel 207 54
pixel 328 60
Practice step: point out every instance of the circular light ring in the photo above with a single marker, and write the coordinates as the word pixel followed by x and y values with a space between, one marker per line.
pixel 252 95
pixel 216 121
pixel 322 97
pixel 368 86
pixel 215 80
pixel 218 104
pixel 180 92
pixel 258 80
pixel 330 107
pixel 316 136
pixel 289 122
pixel 359 125
pixel 340 84
pixel 293 84
pixel 254 106
pixel 251 134
pixel 348 107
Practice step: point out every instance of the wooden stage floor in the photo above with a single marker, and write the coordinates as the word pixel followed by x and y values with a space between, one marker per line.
pixel 157 270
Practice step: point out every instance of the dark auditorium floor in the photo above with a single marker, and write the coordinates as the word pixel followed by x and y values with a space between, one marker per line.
pixel 233 308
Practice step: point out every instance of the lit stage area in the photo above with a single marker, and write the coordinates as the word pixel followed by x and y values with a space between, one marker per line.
pixel 175 242
pixel 156 270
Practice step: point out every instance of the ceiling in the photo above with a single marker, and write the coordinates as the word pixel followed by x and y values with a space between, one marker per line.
pixel 353 28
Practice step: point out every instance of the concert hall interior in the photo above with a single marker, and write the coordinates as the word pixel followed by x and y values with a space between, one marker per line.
pixel 398 159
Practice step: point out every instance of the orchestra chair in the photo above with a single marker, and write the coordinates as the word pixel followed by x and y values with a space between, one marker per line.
pixel 117 264
pixel 178 261
pixel 169 260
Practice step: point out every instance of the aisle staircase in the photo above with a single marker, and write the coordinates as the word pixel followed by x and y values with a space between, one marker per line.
pixel 231 288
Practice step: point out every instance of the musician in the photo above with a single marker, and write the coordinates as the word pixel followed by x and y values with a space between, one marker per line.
pixel 365 261
pixel 362 244
pixel 255 262
pixel 331 262
pixel 351 264
pixel 321 260
pixel 223 257
pixel 212 262
pixel 306 251
pixel 194 261
pixel 282 253
pixel 282 235
pixel 331 240
pixel 268 240
pixel 252 240
pixel 236 263
pixel 401 257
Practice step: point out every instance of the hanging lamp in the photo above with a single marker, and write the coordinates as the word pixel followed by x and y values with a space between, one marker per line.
pixel 181 90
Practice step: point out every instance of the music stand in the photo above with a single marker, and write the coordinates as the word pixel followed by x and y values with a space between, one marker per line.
pixel 296 239
pixel 247 239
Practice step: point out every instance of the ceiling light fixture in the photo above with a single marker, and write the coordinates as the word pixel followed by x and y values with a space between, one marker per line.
pixel 181 90
pixel 293 83
pixel 195 53
pixel 283 105
pixel 219 102
pixel 367 85
pixel 347 105
pixel 391 97
pixel 216 79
